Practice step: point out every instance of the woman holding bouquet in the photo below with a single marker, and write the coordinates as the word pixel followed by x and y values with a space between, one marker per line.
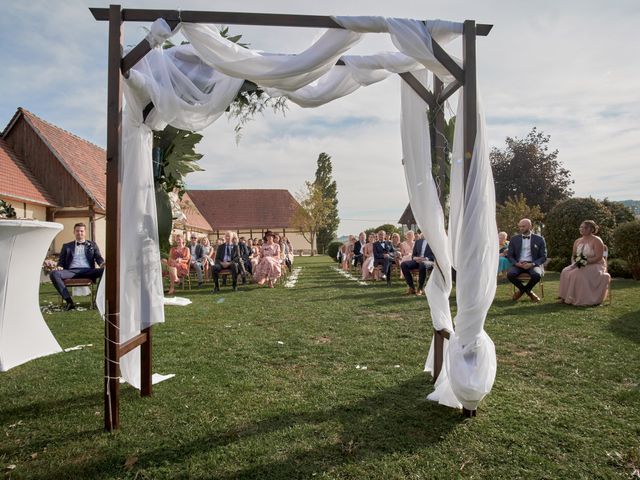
pixel 586 281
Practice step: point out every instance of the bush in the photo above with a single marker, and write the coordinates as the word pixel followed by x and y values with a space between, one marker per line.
pixel 563 221
pixel 618 268
pixel 556 264
pixel 332 249
pixel 628 246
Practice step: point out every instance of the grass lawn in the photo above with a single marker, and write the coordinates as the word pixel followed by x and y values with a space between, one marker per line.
pixel 267 387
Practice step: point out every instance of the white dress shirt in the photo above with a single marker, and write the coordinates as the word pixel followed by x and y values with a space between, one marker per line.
pixel 79 258
pixel 525 251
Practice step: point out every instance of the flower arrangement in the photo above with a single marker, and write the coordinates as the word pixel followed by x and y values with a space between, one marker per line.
pixel 581 260
pixel 49 265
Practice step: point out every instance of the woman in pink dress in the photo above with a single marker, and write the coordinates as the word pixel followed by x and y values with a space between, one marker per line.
pixel 367 263
pixel 268 268
pixel 178 262
pixel 347 253
pixel 585 282
pixel 406 247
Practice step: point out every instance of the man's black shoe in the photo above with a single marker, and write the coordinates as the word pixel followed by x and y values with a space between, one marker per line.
pixel 69 306
pixel 215 290
pixel 199 284
pixel 235 288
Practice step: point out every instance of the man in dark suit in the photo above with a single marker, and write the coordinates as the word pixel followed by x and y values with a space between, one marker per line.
pixel 422 258
pixel 78 259
pixel 383 255
pixel 528 253
pixel 245 254
pixel 227 256
pixel 358 257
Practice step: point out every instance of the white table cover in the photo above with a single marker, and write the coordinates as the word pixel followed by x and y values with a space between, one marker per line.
pixel 24 335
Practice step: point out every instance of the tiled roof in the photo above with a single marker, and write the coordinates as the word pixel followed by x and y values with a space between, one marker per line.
pixel 407 217
pixel 85 161
pixel 194 217
pixel 234 209
pixel 16 181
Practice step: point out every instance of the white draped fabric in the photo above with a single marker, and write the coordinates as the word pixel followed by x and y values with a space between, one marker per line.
pixel 191 85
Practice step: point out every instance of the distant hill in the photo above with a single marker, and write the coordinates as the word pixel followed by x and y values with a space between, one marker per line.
pixel 633 205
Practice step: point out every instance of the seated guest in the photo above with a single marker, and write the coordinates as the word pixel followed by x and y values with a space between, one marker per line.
pixel 395 243
pixel 178 262
pixel 368 270
pixel 285 251
pixel 227 256
pixel 245 256
pixel 197 257
pixel 358 256
pixel 423 259
pixel 207 253
pixel 406 247
pixel 585 282
pixel 289 252
pixel 78 259
pixel 268 268
pixel 383 255
pixel 347 253
pixel 527 252
pixel 503 245
pixel 255 255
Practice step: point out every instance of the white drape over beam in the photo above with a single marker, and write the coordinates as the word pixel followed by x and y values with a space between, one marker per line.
pixel 191 85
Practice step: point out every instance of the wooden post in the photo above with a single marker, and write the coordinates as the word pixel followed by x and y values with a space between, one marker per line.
pixel 114 143
pixel 470 108
pixel 439 144
pixel 146 387
pixel 470 96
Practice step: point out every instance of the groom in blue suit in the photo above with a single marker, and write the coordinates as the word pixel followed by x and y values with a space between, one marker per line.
pixel 527 253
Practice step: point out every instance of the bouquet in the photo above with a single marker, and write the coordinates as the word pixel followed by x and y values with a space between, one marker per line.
pixel 581 260
pixel 49 265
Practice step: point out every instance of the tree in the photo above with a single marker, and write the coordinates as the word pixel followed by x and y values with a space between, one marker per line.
pixel 527 167
pixel 327 186
pixel 314 213
pixel 7 210
pixel 620 211
pixel 563 221
pixel 515 209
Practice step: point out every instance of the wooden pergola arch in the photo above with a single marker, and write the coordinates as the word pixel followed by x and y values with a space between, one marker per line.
pixel 119 66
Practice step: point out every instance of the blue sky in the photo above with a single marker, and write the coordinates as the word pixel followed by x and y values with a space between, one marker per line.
pixel 568 68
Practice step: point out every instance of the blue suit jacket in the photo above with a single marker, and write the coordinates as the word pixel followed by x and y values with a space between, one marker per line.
pixel 417 250
pixel 538 249
pixel 91 251
pixel 380 248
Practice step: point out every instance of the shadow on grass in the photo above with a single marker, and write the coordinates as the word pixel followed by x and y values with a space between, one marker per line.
pixel 395 420
pixel 627 326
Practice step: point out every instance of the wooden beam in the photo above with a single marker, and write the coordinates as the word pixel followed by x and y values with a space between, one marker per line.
pixel 233 18
pixel 470 96
pixel 447 61
pixel 114 142
pixel 448 91
pixel 439 337
pixel 132 343
pixel 420 89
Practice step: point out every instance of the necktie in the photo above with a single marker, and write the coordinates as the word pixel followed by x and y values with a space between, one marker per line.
pixel 80 243
pixel 526 237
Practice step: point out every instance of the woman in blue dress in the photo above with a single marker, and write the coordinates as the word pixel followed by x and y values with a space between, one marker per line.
pixel 504 263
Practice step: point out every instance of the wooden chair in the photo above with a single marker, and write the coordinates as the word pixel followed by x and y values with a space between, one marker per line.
pixel 81 282
pixel 525 277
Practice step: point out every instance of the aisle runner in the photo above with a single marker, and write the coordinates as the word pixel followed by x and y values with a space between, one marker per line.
pixel 293 278
pixel 348 276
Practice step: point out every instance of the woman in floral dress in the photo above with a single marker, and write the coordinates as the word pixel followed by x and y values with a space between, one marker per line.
pixel 269 267
pixel 178 262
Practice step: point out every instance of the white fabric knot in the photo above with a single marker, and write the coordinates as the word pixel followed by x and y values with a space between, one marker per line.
pixel 159 33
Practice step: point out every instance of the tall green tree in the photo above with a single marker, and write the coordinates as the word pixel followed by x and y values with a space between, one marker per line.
pixel 325 183
pixel 526 166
